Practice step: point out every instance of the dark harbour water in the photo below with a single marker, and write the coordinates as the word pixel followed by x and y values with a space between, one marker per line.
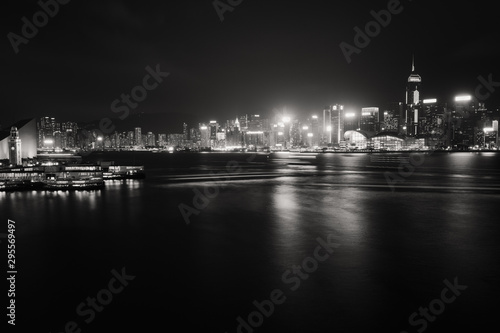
pixel 392 252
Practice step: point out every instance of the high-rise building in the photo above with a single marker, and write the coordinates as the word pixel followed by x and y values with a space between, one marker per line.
pixel 204 136
pixel 392 118
pixel 58 139
pixel 369 119
pixel 337 123
pixel 326 137
pixel 233 137
pixel 254 123
pixel 243 123
pixel 315 130
pixel 175 140
pixel 138 136
pixel 495 130
pixel 351 121
pixel 185 131
pixel 412 102
pixel 15 154
pixel 432 123
pixel 195 136
pixel 69 129
pixel 151 139
pixel 162 140
pixel 46 128
pixel 464 121
pixel 214 128
pixel 295 133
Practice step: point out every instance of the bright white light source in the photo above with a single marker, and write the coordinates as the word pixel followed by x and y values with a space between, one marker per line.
pixel 286 119
pixel 430 101
pixel 310 135
pixel 463 98
pixel 488 129
pixel 203 127
pixel 280 133
pixel 315 117
pixel 350 115
pixel 305 128
pixel 329 128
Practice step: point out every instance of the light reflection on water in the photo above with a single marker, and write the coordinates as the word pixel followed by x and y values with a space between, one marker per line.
pixel 395 248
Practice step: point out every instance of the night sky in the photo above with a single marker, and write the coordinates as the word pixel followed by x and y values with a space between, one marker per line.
pixel 264 56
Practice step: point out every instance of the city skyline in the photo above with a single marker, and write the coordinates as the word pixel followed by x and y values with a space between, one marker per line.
pixel 462 121
pixel 250 166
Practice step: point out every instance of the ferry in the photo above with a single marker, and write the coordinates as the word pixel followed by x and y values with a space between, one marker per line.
pixel 74 184
pixel 66 177
pixel 52 177
pixel 123 172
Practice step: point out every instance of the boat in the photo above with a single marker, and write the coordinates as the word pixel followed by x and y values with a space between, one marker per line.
pixel 93 183
pixel 111 171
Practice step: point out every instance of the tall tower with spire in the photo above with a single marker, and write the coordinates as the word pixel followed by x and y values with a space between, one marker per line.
pixel 15 157
pixel 412 100
pixel 414 82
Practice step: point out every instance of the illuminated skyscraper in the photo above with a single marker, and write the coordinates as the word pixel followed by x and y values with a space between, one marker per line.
pixel 412 102
pixel 326 137
pixel 432 123
pixel 337 123
pixel 414 82
pixel 295 133
pixel 467 115
pixel 185 131
pixel 315 130
pixel 392 118
pixel 351 121
pixel 369 119
pixel 204 136
pixel 214 128
pixel 254 123
pixel 138 136
pixel 162 140
pixel 150 139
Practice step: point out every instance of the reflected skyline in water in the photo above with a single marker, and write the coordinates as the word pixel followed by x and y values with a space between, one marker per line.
pixel 396 248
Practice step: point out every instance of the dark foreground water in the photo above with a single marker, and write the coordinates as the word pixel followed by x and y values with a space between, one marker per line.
pixel 341 243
